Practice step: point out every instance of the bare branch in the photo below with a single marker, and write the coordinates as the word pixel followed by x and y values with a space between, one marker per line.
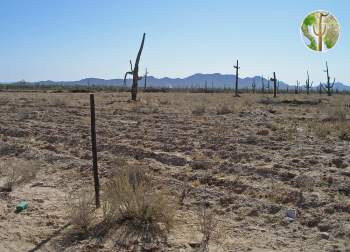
pixel 125 77
pixel 131 66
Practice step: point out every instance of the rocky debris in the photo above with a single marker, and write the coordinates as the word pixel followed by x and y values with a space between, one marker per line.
pixel 201 164
pixel 256 166
pixel 324 235
pixel 263 132
pixel 339 163
pixel 345 172
pixel 291 213
pixel 139 153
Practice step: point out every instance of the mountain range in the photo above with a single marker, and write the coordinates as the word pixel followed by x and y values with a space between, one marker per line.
pixel 198 80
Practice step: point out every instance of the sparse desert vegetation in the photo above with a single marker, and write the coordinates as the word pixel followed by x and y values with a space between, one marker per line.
pixel 179 172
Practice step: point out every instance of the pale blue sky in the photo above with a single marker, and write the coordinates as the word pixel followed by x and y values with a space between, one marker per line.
pixel 75 39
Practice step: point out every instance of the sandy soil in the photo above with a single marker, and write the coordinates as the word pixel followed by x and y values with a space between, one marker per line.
pixel 252 159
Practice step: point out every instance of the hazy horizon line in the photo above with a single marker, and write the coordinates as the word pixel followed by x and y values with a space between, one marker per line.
pixel 154 76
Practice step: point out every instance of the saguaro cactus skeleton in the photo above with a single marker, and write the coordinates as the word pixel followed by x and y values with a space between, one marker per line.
pixel 274 84
pixel 253 86
pixel 308 85
pixel 145 85
pixel 236 87
pixel 135 71
pixel 262 84
pixel 328 87
pixel 320 30
pixel 297 87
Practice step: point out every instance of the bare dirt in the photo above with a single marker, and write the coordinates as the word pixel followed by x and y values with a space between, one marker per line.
pixel 251 159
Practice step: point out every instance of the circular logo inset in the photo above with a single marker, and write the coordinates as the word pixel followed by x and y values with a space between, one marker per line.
pixel 320 30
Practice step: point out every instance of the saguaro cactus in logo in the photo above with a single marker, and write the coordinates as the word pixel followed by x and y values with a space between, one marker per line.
pixel 320 31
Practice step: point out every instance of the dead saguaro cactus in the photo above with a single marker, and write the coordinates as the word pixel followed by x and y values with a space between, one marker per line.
pixel 135 71
pixel 145 77
pixel 253 86
pixel 296 91
pixel 262 84
pixel 321 30
pixel 236 86
pixel 274 80
pixel 328 86
pixel 308 85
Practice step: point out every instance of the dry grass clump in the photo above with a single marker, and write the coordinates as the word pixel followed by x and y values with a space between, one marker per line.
pixel 224 109
pixel 59 101
pixel 213 232
pixel 16 172
pixel 338 112
pixel 4 100
pixel 199 110
pixel 207 226
pixel 248 101
pixel 344 131
pixel 339 129
pixel 164 102
pixel 131 201
pixel 81 210
pixel 321 130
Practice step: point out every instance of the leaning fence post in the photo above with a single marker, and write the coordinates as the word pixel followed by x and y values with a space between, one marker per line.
pixel 94 150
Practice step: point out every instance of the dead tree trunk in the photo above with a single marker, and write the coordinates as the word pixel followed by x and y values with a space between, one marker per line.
pixel 308 85
pixel 135 71
pixel 328 87
pixel 274 84
pixel 236 87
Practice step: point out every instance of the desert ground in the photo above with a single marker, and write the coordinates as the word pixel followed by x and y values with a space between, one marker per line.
pixel 274 174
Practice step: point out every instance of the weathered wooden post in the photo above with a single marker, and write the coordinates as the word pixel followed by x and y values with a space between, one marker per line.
pixel 94 151
pixel 236 86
